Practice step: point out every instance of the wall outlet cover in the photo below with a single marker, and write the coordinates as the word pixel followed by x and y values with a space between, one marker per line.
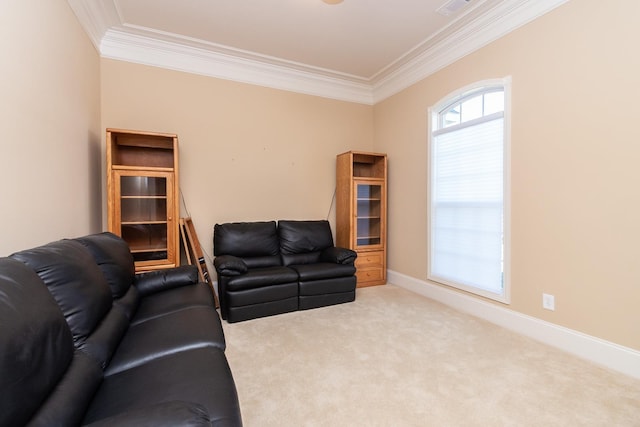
pixel 548 302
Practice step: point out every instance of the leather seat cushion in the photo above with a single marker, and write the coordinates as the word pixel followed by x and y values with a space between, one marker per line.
pixel 176 299
pixel 201 376
pixel 323 270
pixel 262 277
pixel 175 332
pixel 262 294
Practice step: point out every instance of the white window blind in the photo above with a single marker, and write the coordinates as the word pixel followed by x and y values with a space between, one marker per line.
pixel 467 206
pixel 467 197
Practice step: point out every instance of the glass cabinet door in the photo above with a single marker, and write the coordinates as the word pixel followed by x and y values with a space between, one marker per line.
pixel 144 219
pixel 369 214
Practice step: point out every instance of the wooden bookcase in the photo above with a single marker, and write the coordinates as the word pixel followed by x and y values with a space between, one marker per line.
pixel 361 212
pixel 143 195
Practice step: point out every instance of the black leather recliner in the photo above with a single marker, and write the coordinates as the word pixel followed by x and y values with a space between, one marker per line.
pixel 267 268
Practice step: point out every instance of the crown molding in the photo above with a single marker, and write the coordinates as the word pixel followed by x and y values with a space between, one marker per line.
pixel 131 47
pixel 96 17
pixel 115 40
pixel 490 26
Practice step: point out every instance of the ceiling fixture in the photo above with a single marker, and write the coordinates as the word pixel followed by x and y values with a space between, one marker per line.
pixel 452 6
pixel 332 1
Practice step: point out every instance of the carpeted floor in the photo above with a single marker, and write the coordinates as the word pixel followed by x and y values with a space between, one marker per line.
pixel 394 358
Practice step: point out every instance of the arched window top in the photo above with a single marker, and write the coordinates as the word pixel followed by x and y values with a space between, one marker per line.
pixel 469 105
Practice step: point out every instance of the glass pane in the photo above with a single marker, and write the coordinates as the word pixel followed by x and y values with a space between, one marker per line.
pixel 451 117
pixel 143 216
pixel 368 220
pixel 146 241
pixel 137 209
pixel 143 186
pixel 471 109
pixel 493 102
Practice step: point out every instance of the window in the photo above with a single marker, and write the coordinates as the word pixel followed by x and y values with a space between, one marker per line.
pixel 468 190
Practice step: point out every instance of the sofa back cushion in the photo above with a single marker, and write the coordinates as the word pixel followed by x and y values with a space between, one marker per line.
pixel 302 242
pixel 255 242
pixel 75 281
pixel 35 342
pixel 114 258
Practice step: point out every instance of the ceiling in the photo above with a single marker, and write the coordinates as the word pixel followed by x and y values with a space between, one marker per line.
pixel 357 50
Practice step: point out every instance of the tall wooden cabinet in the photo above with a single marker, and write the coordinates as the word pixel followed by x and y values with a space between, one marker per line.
pixel 361 212
pixel 143 195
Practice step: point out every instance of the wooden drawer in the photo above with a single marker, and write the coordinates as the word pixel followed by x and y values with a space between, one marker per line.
pixel 365 275
pixel 370 259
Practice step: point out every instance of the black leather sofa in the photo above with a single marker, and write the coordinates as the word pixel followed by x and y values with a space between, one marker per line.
pixel 86 341
pixel 267 268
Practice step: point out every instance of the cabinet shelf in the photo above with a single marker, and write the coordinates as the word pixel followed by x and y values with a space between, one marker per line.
pixel 146 250
pixel 142 222
pixel 137 168
pixel 144 197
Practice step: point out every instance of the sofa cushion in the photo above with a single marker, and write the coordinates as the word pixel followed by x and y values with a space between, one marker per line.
pixel 165 414
pixel 35 343
pixel 201 376
pixel 264 294
pixel 323 270
pixel 75 281
pixel 164 335
pixel 302 242
pixel 172 300
pixel 246 239
pixel 260 277
pixel 106 337
pixel 114 258
pixel 68 402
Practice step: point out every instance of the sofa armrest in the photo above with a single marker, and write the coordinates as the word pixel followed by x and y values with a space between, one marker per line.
pixel 161 280
pixel 174 413
pixel 338 255
pixel 229 265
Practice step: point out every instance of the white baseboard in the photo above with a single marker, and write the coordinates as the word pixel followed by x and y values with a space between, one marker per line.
pixel 613 356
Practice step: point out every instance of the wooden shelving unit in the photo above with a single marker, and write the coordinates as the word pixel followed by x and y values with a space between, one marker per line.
pixel 142 202
pixel 361 212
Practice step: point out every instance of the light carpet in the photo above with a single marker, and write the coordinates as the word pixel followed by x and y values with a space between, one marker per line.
pixel 394 358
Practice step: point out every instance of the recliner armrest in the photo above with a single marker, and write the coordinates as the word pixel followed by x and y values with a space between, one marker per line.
pixel 229 265
pixel 338 255
pixel 170 414
pixel 161 280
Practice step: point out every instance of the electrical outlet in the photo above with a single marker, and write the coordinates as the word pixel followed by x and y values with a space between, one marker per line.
pixel 548 302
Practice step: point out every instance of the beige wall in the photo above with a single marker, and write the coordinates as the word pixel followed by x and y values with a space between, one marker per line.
pixel 50 124
pixel 575 154
pixel 246 152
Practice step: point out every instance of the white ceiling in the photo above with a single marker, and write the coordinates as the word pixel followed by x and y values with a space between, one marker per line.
pixel 358 50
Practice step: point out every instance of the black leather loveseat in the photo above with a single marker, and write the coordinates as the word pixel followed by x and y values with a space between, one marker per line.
pixel 84 340
pixel 266 268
